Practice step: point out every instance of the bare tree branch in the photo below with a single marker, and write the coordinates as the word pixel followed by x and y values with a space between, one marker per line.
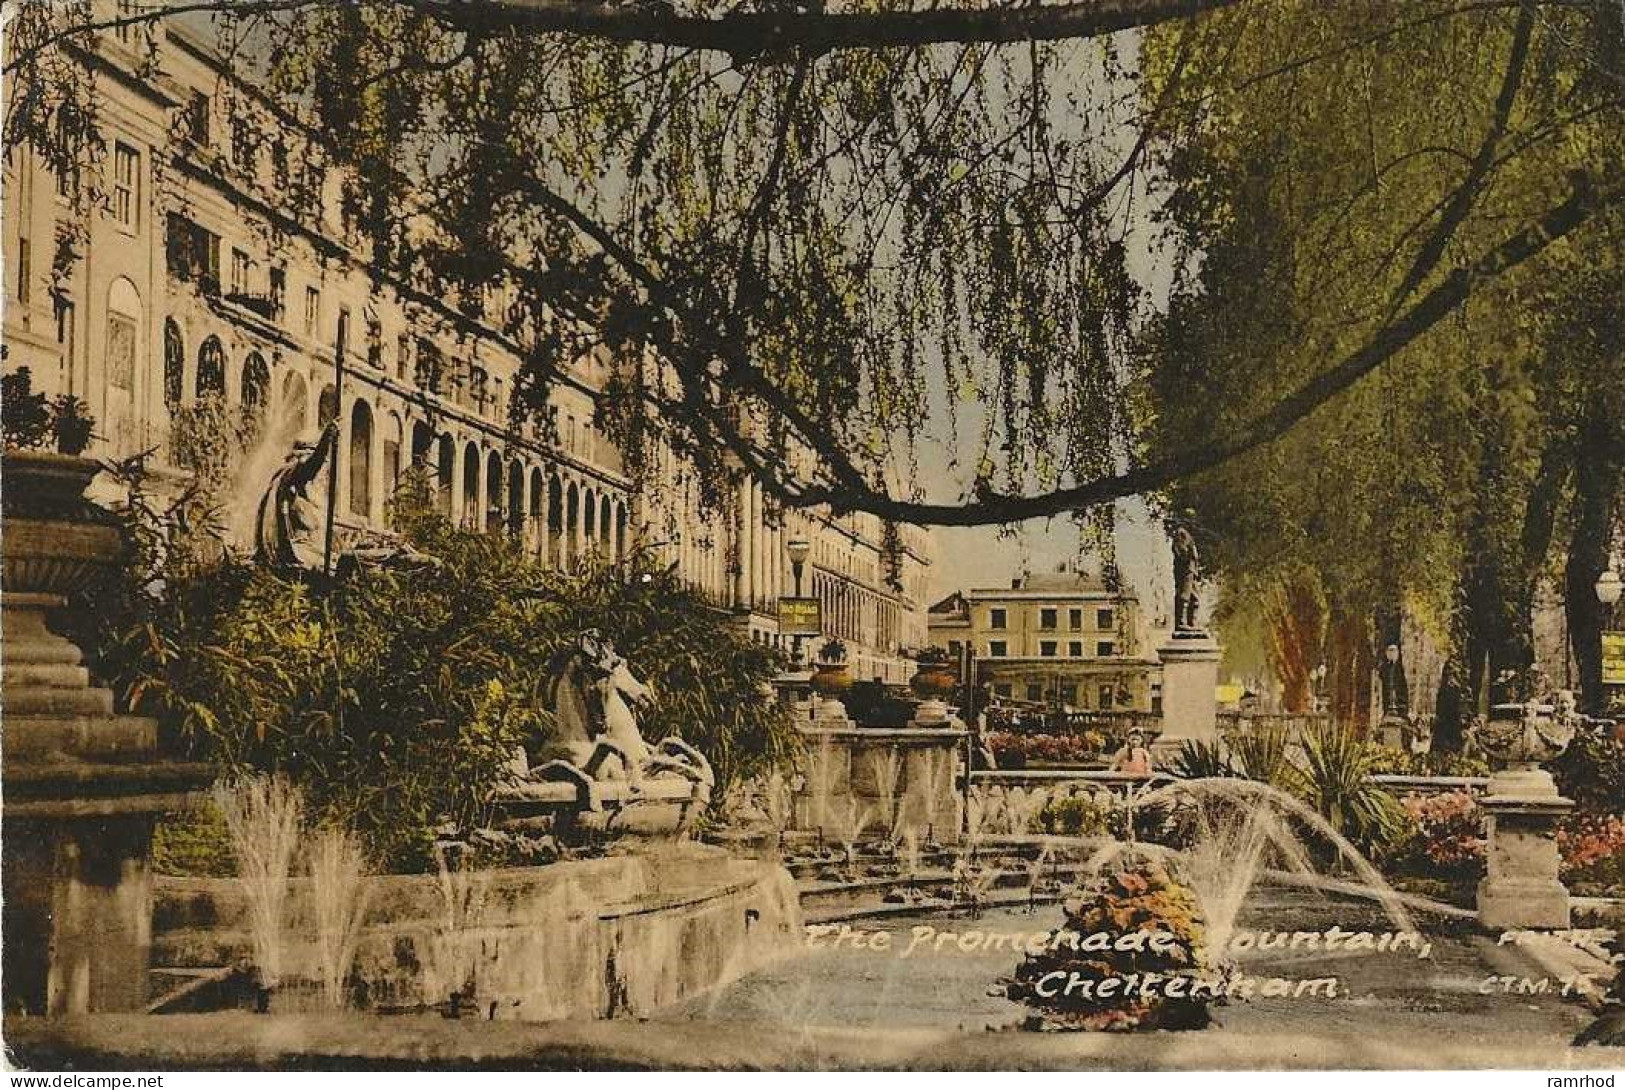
pixel 777 35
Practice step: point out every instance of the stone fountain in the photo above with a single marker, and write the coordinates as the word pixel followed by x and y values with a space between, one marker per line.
pixel 82 784
pixel 1521 888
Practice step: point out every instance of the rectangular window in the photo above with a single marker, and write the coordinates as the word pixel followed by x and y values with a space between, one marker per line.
pixel 1001 689
pixel 341 333
pixel 25 270
pixel 126 9
pixel 1074 619
pixel 242 142
pixel 279 291
pixel 1035 692
pixel 955 648
pixel 403 356
pixel 1046 649
pixel 197 117
pixel 1068 695
pixel 313 310
pixel 1048 619
pixel 63 309
pixel 239 272
pixel 1105 695
pixel 1105 649
pixel 997 649
pixel 126 184
pixel 996 618
pixel 375 345
pixel 1075 649
pixel 1104 618
pixel 192 252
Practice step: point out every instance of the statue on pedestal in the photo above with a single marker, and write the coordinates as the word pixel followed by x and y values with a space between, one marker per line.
pixel 1187 573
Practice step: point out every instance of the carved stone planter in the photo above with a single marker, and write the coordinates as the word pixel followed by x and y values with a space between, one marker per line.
pixel 1521 888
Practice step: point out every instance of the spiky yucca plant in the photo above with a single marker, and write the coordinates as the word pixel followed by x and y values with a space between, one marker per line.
pixel 1334 778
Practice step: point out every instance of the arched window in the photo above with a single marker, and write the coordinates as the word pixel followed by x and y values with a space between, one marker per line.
pixel 471 486
pixel 516 499
pixel 589 519
pixel 555 520
pixel 327 406
pixel 445 474
pixel 620 531
pixel 572 520
pixel 604 520
pixel 495 508
pixel 538 505
pixel 174 364
pixel 361 459
pixel 392 452
pixel 211 368
pixel 256 383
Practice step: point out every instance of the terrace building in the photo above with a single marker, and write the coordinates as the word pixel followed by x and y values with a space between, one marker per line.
pixel 208 267
pixel 1060 639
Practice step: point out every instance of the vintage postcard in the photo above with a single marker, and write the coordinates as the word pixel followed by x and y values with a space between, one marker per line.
pixel 797 535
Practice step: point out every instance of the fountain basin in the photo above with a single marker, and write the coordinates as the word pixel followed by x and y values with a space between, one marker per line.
pixel 618 936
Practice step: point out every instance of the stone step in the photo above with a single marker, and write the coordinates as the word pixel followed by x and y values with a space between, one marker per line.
pixel 103 736
pixel 51 650
pixel 51 675
pixel 43 701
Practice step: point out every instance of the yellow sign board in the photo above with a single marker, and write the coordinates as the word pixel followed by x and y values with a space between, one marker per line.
pixel 800 617
pixel 1613 658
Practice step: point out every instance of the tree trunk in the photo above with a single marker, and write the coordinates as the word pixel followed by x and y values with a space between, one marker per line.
pixel 1295 619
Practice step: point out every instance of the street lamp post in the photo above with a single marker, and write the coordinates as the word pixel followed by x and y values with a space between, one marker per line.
pixel 798 548
pixel 1608 590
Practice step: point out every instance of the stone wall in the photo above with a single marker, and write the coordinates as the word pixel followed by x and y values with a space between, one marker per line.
pixel 611 937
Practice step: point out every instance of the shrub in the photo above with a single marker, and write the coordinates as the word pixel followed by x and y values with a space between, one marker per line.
pixel 194 843
pixel 1592 771
pixel 1077 815
pixel 1046 747
pixel 1444 838
pixel 1144 899
pixel 396 698
pixel 1592 847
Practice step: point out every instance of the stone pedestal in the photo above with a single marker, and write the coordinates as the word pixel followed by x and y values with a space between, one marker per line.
pixel 841 766
pixel 1190 679
pixel 1521 888
pixel 82 785
pixel 1391 732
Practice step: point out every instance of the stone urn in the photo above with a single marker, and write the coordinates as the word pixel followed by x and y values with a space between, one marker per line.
pixel 831 678
pixel 934 680
pixel 82 784
pixel 1519 738
pixel 1521 887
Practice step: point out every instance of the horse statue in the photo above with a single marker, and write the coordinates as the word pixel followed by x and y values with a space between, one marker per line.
pixel 592 692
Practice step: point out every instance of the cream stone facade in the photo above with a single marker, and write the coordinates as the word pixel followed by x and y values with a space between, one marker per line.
pixel 1059 638
pixel 195 278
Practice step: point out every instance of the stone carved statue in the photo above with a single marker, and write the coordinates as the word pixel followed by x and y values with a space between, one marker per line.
pixel 1187 573
pixel 290 522
pixel 592 693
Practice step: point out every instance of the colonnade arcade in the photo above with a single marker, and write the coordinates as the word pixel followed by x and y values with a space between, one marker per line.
pixel 485 481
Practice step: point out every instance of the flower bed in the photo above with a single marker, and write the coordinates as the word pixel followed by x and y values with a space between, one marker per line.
pixel 1014 749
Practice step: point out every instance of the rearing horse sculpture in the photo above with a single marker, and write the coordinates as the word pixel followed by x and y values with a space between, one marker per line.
pixel 591 692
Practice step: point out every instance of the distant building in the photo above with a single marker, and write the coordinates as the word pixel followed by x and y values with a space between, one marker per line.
pixel 1062 639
